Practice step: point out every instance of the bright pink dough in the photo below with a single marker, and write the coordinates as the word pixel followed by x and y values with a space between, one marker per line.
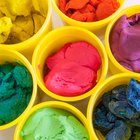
pixel 81 52
pixel 84 54
pixel 56 58
pixel 68 78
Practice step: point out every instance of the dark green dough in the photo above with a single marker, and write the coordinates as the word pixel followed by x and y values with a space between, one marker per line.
pixel 22 76
pixel 15 91
pixel 6 68
pixel 7 87
pixel 136 134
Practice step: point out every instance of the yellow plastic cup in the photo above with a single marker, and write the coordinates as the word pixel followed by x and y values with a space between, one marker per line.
pixel 55 40
pixel 114 65
pixel 107 85
pixel 26 47
pixel 87 25
pixel 11 56
pixel 52 104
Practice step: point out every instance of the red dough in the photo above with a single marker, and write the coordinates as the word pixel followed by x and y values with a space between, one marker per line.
pixel 106 8
pixel 76 4
pixel 88 10
pixel 68 78
pixel 63 5
pixel 94 2
pixel 89 17
pixel 73 69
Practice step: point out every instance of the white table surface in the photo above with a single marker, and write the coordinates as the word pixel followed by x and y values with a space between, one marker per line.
pixel 82 105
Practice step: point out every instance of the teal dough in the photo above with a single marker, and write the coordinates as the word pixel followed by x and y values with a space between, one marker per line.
pixel 15 91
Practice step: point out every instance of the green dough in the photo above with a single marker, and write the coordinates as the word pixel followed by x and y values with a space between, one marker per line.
pixel 15 91
pixel 136 134
pixel 53 124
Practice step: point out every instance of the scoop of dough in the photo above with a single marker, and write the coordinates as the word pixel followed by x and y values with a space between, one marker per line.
pixel 5 28
pixel 4 11
pixel 23 28
pixel 38 22
pixel 1 14
pixel 68 78
pixel 40 6
pixel 19 7
pixel 87 55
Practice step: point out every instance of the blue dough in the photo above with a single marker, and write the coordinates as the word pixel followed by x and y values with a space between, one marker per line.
pixel 121 131
pixel 118 114
pixel 119 93
pixel 122 110
pixel 133 94
pixel 104 120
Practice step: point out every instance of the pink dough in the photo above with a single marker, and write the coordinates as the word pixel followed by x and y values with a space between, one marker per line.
pixel 68 78
pixel 73 69
pixel 81 52
pixel 56 58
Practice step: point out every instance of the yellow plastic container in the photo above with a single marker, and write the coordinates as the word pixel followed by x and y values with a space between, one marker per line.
pixel 107 85
pixel 53 104
pixel 11 56
pixel 114 66
pixel 87 25
pixel 26 47
pixel 53 42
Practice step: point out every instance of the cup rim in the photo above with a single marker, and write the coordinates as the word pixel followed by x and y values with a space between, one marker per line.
pixel 34 91
pixel 94 97
pixel 25 44
pixel 86 94
pixel 107 44
pixel 86 24
pixel 54 104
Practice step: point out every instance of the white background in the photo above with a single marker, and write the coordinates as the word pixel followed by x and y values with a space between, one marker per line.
pixel 57 22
